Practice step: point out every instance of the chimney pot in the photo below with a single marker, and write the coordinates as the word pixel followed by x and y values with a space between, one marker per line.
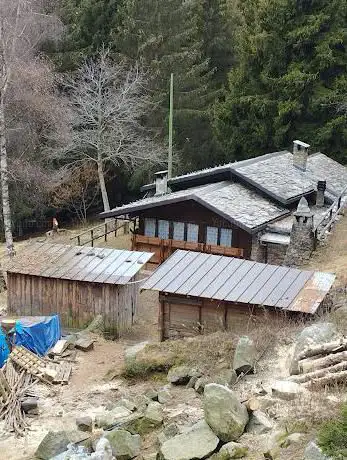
pixel 161 178
pixel 300 154
pixel 321 187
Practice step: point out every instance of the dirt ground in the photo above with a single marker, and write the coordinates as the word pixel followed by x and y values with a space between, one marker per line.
pixel 88 393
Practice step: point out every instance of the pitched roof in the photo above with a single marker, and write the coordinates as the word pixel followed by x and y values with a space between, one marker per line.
pixel 231 200
pixel 78 263
pixel 275 175
pixel 215 277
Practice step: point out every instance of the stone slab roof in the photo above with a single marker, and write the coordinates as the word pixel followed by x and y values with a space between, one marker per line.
pixel 232 201
pixel 275 175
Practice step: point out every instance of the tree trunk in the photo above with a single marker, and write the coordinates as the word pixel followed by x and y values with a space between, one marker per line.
pixel 330 379
pixel 309 365
pixel 6 209
pixel 104 195
pixel 326 348
pixel 303 378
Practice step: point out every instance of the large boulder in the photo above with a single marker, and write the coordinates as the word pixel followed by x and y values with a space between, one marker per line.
pixel 314 452
pixel 224 413
pixel 125 445
pixel 168 432
pixel 225 377
pixel 164 395
pixel 180 375
pixel 53 443
pixel 196 443
pixel 259 423
pixel 284 389
pixel 315 334
pixel 245 356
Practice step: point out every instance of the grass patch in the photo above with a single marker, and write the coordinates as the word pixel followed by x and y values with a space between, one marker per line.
pixel 332 436
pixel 205 352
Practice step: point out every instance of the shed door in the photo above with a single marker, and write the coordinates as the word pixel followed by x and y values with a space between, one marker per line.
pixel 181 320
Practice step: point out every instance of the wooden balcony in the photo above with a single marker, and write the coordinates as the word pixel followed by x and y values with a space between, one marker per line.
pixel 162 249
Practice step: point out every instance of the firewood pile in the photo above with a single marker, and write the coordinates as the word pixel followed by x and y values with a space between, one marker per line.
pixel 322 365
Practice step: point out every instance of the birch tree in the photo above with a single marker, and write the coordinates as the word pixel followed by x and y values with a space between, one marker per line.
pixel 109 102
pixel 23 28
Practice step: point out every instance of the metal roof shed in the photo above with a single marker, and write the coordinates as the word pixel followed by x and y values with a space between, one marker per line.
pixel 207 292
pixel 77 283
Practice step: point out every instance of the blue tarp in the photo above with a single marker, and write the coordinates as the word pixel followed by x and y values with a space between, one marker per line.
pixel 4 349
pixel 38 333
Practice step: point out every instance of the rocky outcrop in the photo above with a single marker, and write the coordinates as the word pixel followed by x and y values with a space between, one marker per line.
pixel 245 356
pixel 225 415
pixel 196 443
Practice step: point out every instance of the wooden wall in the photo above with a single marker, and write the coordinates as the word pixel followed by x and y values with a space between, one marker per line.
pixel 76 302
pixel 192 212
pixel 187 317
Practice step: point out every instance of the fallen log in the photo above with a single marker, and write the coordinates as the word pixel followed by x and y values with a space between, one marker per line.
pixel 303 378
pixel 309 365
pixel 252 404
pixel 331 379
pixel 325 349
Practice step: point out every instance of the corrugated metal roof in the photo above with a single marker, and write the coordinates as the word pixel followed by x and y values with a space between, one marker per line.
pixel 79 263
pixel 215 277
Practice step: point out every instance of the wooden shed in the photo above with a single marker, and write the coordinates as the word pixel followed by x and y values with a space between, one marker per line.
pixel 77 283
pixel 204 292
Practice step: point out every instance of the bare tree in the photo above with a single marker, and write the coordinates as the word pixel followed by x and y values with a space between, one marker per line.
pixel 78 190
pixel 23 27
pixel 109 101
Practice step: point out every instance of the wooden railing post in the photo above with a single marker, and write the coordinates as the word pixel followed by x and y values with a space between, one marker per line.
pixel 115 227
pixel 105 232
pixel 78 241
pixel 92 237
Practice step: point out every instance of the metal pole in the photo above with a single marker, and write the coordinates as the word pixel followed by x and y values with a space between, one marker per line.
pixel 169 168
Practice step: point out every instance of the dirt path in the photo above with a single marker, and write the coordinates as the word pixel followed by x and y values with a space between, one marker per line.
pixel 331 256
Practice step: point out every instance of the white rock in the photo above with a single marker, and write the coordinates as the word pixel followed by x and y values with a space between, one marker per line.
pixel 285 389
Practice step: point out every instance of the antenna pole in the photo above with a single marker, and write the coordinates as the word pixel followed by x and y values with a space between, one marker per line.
pixel 169 168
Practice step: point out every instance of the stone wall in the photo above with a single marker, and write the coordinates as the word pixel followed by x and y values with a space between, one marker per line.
pixel 301 244
pixel 276 253
pixel 257 250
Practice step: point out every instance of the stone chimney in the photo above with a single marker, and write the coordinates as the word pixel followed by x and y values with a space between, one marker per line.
pixel 161 183
pixel 321 187
pixel 302 239
pixel 300 154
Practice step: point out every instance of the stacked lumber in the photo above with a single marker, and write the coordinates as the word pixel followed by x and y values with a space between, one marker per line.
pixel 322 365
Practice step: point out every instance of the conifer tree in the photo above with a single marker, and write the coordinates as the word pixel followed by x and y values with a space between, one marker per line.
pixel 290 77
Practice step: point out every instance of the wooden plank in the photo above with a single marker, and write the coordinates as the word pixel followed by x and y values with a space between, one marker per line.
pixel 63 374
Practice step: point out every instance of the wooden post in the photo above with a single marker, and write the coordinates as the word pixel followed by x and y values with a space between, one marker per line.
pixel 115 227
pixel 105 232
pixel 79 240
pixel 161 320
pixel 92 237
pixel 126 227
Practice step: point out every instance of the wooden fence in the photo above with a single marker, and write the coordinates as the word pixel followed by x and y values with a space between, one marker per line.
pixel 329 217
pixel 102 231
pixel 163 248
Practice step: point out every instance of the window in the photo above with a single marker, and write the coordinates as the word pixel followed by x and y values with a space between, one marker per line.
pixel 178 231
pixel 163 229
pixel 226 236
pixel 149 227
pixel 192 233
pixel 212 235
